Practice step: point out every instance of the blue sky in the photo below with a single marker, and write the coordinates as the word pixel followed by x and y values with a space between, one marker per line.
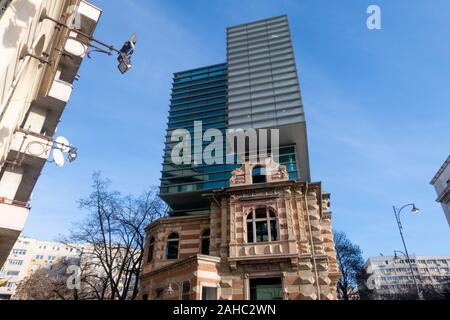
pixel 376 103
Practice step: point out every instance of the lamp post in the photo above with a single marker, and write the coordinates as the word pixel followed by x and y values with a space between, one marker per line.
pixel 397 212
pixel 124 54
pixel 419 293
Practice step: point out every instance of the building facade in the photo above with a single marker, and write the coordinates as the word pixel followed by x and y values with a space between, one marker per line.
pixel 441 182
pixel 257 88
pixel 267 237
pixel 254 227
pixel 198 95
pixel 29 255
pixel 38 67
pixel 392 275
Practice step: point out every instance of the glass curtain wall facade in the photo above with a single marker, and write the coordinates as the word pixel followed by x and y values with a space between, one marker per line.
pixel 263 86
pixel 197 95
pixel 257 88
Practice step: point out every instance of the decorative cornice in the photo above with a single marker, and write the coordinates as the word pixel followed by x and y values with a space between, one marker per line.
pixel 194 258
pixel 180 219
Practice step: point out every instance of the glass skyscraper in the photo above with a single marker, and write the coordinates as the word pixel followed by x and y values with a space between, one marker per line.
pixel 257 88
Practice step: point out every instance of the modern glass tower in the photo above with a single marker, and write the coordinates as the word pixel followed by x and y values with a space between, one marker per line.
pixel 257 88
pixel 197 95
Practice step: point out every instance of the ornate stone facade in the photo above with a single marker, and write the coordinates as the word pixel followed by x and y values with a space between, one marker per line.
pixel 270 239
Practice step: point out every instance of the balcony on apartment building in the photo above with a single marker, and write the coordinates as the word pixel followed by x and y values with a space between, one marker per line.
pixel 32 141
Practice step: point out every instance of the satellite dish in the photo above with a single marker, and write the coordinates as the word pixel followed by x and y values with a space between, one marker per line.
pixel 58 157
pixel 75 47
pixel 61 145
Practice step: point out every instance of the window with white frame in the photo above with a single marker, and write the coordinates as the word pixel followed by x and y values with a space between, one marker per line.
pixel 262 226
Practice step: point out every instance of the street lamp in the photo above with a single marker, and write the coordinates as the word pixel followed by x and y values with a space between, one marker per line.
pixel 419 293
pixel 123 55
pixel 169 289
pixel 397 212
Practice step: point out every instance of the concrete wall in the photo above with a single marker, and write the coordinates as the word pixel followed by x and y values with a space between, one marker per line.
pixel 33 96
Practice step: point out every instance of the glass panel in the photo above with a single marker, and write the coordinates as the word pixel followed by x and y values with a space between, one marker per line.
pixel 205 245
pixel 186 290
pixel 173 236
pixel 258 175
pixel 200 97
pixel 261 213
pixel 172 249
pixel 209 293
pixel 293 175
pixel 266 289
pixel 262 234
pixel 273 230
pixel 249 232
pixel 198 109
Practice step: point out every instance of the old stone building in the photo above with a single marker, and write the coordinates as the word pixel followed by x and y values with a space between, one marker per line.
pixel 266 237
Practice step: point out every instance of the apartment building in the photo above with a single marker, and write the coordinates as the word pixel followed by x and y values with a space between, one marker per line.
pixel 29 255
pixel 39 63
pixel 393 275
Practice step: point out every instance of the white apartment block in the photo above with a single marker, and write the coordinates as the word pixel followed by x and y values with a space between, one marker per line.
pixel 393 275
pixel 29 255
pixel 39 63
pixel 441 183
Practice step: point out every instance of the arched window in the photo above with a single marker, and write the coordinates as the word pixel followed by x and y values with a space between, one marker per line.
pixel 258 174
pixel 262 226
pixel 172 246
pixel 151 245
pixel 205 242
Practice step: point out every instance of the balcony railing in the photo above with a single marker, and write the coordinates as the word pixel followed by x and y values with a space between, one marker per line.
pixel 263 249
pixel 31 144
pixel 60 90
pixel 13 214
pixel 15 202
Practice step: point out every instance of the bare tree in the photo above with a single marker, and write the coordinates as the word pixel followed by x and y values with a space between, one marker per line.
pixel 44 284
pixel 113 238
pixel 351 285
pixel 436 292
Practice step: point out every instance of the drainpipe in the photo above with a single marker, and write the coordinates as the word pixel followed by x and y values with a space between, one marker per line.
pixel 312 243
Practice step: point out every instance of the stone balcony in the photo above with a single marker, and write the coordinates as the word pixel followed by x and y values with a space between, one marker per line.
pixel 60 90
pixel 13 214
pixel 262 251
pixel 31 145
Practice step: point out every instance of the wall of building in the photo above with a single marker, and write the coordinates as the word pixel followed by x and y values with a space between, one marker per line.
pixel 35 88
pixel 29 255
pixel 393 275
pixel 263 85
pixel 441 183
pixel 302 257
